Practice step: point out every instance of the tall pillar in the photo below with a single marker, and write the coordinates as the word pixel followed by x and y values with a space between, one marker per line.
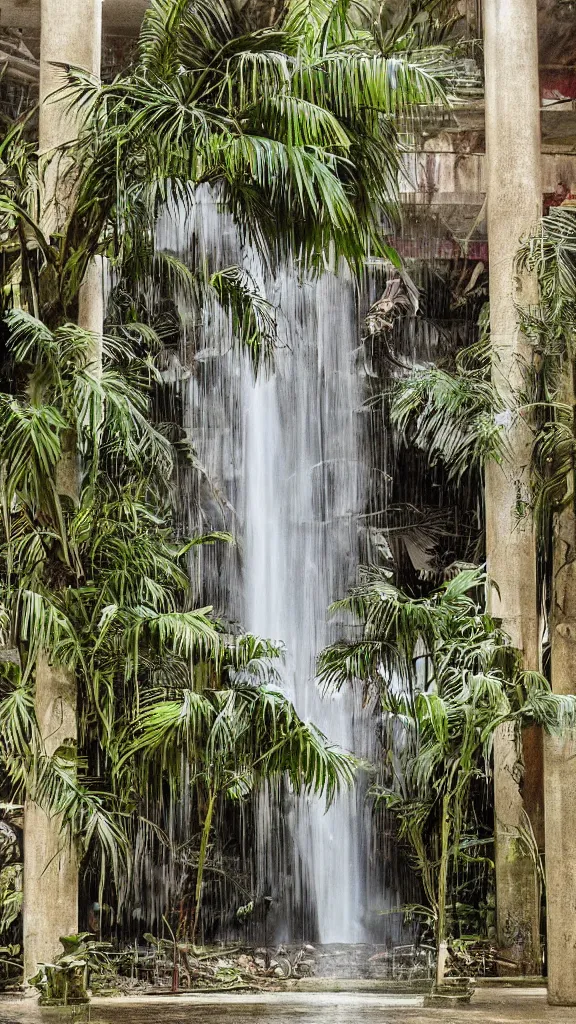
pixel 560 758
pixel 50 906
pixel 514 206
pixel 71 32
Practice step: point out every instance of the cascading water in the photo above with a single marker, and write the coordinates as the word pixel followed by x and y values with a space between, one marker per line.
pixel 302 492
pixel 282 468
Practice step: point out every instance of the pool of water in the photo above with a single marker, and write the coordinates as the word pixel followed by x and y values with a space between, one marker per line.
pixel 488 1007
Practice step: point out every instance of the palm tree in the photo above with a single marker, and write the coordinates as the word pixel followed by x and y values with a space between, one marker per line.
pixel 234 737
pixel 294 129
pixel 101 587
pixel 446 677
pixel 453 413
pixel 551 256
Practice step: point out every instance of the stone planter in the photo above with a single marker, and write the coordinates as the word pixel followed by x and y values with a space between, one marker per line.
pixel 453 992
pixel 64 987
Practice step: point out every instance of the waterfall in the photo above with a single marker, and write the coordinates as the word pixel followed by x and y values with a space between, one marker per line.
pixel 302 492
pixel 281 467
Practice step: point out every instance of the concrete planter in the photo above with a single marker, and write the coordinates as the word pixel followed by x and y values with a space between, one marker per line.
pixel 453 992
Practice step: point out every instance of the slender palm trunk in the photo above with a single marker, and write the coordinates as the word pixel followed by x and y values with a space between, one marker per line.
pixel 514 209
pixel 70 33
pixel 441 936
pixel 560 754
pixel 202 857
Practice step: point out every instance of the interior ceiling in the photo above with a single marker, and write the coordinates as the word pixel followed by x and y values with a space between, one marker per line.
pixel 121 17
pixel 556 19
pixel 557 23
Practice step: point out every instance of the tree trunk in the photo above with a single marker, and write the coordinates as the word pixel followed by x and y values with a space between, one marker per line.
pixel 70 33
pixel 514 206
pixel 560 757
pixel 441 938
pixel 202 857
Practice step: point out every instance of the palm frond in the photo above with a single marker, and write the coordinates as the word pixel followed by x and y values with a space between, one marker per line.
pixel 253 317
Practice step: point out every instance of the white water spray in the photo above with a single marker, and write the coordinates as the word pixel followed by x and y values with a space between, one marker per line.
pixel 285 450
pixel 303 490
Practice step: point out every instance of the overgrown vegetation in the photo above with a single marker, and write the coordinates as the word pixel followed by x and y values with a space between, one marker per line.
pixel 438 705
pixel 293 130
pixel 445 678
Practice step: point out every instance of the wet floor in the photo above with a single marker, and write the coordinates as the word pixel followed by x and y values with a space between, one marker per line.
pixel 488 1007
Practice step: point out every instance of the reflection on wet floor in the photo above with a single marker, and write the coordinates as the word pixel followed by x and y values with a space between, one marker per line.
pixel 489 1007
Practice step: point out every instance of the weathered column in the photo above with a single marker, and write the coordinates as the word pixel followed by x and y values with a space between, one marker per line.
pixel 514 205
pixel 560 759
pixel 50 864
pixel 71 32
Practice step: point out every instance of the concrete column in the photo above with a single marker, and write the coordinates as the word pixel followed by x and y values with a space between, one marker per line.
pixel 71 32
pixel 514 204
pixel 50 865
pixel 560 762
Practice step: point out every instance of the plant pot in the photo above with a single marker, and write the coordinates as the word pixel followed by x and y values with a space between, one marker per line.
pixel 452 992
pixel 64 988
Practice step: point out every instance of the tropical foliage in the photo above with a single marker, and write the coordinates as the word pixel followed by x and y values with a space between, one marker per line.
pixel 450 410
pixel 96 583
pixel 551 327
pixel 446 678
pixel 293 130
pixel 234 738
pixel 294 133
pixel 432 415
pixel 454 415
